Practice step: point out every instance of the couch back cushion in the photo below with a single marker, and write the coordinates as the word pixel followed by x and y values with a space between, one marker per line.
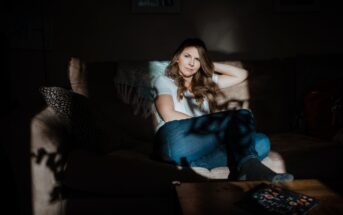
pixel 122 94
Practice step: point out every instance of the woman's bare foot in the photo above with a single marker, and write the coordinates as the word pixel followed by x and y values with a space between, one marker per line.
pixel 77 76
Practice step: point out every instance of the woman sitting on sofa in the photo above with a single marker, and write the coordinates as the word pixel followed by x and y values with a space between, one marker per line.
pixel 190 131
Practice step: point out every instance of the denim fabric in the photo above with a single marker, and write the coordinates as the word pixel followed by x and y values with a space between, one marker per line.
pixel 219 139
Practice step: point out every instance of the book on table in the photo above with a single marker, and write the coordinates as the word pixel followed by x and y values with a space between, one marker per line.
pixel 273 199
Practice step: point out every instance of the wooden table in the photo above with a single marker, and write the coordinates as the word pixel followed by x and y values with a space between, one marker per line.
pixel 220 197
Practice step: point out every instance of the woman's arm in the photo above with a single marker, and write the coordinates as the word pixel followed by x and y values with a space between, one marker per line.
pixel 229 75
pixel 165 107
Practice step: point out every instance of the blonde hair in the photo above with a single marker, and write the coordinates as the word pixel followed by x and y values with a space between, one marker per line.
pixel 202 84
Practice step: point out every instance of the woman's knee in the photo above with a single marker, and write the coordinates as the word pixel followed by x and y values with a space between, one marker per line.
pixel 262 145
pixel 244 112
pixel 244 116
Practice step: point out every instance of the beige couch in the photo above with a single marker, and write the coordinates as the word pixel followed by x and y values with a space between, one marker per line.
pixel 117 174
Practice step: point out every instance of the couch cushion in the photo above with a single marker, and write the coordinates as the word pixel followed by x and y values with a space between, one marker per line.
pixel 125 172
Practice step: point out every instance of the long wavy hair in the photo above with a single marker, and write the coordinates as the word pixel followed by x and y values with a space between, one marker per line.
pixel 202 84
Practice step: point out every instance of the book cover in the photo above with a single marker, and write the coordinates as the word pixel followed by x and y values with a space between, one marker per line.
pixel 273 199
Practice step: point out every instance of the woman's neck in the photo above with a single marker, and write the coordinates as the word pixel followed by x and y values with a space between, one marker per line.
pixel 188 83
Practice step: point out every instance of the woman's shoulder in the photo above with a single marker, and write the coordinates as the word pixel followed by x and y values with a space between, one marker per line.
pixel 164 85
pixel 163 79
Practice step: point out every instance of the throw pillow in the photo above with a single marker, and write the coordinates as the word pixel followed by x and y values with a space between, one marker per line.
pixel 75 109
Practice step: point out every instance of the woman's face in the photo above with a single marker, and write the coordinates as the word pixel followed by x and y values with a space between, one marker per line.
pixel 189 62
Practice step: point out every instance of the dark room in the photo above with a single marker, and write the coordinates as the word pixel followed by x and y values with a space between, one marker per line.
pixel 94 91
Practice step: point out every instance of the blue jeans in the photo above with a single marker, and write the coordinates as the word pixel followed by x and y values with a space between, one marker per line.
pixel 225 138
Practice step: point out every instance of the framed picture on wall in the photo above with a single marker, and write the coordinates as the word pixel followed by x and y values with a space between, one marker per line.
pixel 155 6
pixel 296 6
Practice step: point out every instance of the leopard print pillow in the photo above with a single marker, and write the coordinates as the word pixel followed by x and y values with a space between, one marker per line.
pixel 75 109
pixel 59 99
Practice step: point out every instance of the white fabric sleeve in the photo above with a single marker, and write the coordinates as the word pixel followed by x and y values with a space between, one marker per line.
pixel 215 78
pixel 163 86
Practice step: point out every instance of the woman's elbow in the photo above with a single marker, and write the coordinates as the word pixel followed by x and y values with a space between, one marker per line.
pixel 245 75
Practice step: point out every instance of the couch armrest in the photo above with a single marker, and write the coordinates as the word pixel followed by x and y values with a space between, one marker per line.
pixel 47 163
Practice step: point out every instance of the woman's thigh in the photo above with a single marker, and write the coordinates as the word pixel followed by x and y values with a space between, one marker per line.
pixel 190 139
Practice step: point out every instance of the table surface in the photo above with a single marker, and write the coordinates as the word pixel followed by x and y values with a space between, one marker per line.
pixel 220 197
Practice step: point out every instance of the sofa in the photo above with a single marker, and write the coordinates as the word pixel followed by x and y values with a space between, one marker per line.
pixel 91 143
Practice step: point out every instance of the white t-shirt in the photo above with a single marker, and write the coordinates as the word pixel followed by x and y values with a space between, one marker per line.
pixel 187 105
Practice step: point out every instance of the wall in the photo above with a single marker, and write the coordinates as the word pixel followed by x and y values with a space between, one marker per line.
pixel 109 30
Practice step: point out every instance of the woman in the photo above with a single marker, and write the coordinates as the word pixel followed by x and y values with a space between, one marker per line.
pixel 189 129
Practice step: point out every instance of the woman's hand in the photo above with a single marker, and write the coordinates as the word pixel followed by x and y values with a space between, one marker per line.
pixel 229 75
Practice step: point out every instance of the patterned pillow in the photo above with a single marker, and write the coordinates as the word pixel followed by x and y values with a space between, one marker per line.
pixel 76 110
